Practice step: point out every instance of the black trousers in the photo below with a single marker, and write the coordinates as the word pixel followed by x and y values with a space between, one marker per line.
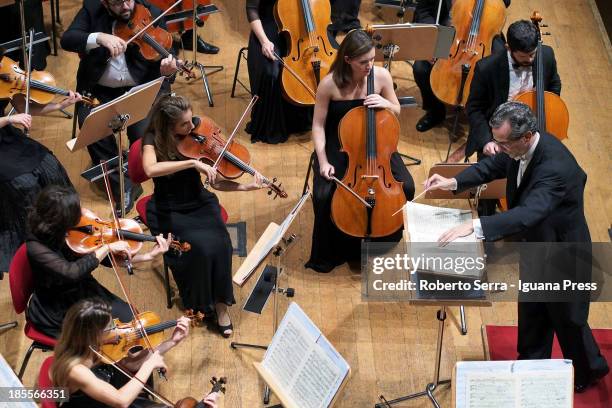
pixel 345 14
pixel 106 148
pixel 421 70
pixel 538 322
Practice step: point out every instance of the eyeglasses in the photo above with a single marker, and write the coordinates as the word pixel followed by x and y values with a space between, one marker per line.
pixel 508 142
pixel 117 3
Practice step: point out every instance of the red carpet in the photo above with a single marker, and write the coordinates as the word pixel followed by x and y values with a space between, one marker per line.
pixel 502 346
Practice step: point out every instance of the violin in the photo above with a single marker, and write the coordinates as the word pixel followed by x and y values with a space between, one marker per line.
pixel 124 339
pixel 550 110
pixel 205 142
pixel 304 24
pixel 190 402
pixel 476 23
pixel 175 22
pixel 92 232
pixel 13 81
pixel 369 137
pixel 153 42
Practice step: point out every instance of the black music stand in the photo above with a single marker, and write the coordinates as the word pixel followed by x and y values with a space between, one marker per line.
pixel 196 13
pixel 410 42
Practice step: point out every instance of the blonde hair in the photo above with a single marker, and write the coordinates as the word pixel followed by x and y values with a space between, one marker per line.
pixel 355 44
pixel 165 114
pixel 83 327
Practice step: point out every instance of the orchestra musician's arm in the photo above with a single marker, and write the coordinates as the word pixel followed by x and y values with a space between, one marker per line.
pixel 323 96
pixel 387 99
pixel 18 101
pixel 476 108
pixel 82 378
pixel 267 47
pixel 74 39
pixel 554 84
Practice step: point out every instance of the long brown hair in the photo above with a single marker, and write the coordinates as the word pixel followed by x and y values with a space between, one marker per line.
pixel 355 44
pixel 57 209
pixel 83 326
pixel 165 114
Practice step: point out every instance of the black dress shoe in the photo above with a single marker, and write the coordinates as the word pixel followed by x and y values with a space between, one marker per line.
pixel 203 46
pixel 429 120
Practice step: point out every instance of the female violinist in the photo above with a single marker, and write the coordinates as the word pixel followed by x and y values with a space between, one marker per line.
pixel 90 382
pixel 60 278
pixel 182 206
pixel 26 167
pixel 273 119
pixel 340 91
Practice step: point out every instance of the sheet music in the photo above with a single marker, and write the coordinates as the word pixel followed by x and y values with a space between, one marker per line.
pixel 514 384
pixel 303 362
pixel 9 379
pixel 426 223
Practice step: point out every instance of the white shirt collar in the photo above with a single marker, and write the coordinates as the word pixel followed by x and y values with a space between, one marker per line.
pixel 527 156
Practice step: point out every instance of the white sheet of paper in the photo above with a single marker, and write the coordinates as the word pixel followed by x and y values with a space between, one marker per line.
pixel 426 223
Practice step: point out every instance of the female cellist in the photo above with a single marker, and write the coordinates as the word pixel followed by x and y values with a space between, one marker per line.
pixel 93 384
pixel 182 206
pixel 340 91
pixel 273 119
pixel 60 277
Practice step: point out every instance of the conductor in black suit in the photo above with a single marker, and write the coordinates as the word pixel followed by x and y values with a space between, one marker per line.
pixel 545 189
pixel 109 68
pixel 425 13
pixel 500 77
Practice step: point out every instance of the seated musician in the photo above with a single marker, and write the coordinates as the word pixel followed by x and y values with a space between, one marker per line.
pixel 60 277
pixel 109 67
pixel 341 90
pixel 435 111
pixel 182 206
pixel 273 118
pixel 91 382
pixel 26 167
pixel 345 15
pixel 500 77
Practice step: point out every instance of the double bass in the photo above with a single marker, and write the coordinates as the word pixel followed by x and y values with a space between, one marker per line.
pixel 369 137
pixel 310 53
pixel 476 23
pixel 551 111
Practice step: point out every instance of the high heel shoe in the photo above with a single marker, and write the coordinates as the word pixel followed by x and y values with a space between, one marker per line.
pixel 223 329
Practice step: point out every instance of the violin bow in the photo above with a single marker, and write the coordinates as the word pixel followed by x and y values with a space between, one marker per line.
pixel 133 309
pixel 104 357
pixel 231 137
pixel 156 19
pixel 295 75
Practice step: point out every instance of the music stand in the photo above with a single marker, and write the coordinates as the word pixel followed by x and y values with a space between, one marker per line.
pixel 410 42
pixel 113 118
pixel 441 317
pixel 273 241
pixel 195 14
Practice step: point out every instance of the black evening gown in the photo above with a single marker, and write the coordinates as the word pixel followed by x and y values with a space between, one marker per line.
pixel 330 246
pixel 61 279
pixel 26 167
pixel 181 205
pixel 273 118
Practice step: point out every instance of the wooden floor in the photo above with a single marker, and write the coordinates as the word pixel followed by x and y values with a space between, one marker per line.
pixel 389 346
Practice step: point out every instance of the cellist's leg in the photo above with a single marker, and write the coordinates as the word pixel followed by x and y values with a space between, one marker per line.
pixel 435 110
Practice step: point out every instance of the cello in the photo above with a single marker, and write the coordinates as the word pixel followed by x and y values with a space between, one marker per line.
pixel 310 54
pixel 476 23
pixel 551 111
pixel 369 137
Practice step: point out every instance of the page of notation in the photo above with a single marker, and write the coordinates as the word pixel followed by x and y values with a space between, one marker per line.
pixel 426 223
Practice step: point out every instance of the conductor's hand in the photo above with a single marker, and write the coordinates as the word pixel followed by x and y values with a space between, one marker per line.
pixel 114 45
pixel 211 174
pixel 327 171
pixel 376 101
pixel 459 231
pixel 437 182
pixel 168 65
pixel 267 49
pixel 491 149
pixel 21 119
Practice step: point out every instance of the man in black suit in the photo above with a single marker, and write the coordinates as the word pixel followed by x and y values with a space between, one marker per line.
pixel 108 68
pixel 425 13
pixel 500 77
pixel 545 189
